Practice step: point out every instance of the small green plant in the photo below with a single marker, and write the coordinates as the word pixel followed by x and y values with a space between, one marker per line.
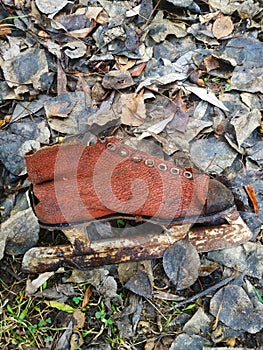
pixel 77 300
pixel 24 324
pixel 258 294
pixel 216 79
pixel 101 314
pixel 120 223
pixel 176 312
pixel 44 286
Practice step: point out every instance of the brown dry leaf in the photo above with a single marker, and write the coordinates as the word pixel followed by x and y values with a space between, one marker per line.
pixel 195 77
pixel 117 79
pixel 32 286
pixel 140 284
pixel 60 109
pixel 133 109
pixel 61 80
pixel 222 27
pixel 181 115
pixel 5 29
pixel 150 344
pixel 102 18
pixel 93 12
pixel 127 65
pixel 252 196
pixel 76 341
pixel 82 85
pixel 208 17
pixel 84 32
pixel 211 63
pixel 127 270
pixel 79 319
pixel 87 295
pixel 137 71
pixel 97 92
pixel 42 34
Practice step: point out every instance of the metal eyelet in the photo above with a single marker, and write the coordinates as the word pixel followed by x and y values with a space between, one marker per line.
pixel 111 146
pixel 175 171
pixel 162 167
pixel 149 163
pixel 136 158
pixel 123 152
pixel 188 174
pixel 102 139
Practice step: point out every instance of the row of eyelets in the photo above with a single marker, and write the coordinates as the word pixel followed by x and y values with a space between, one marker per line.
pixel 137 158
pixel 111 146
pixel 149 163
pixel 174 171
pixel 123 152
pixel 188 174
pixel 162 167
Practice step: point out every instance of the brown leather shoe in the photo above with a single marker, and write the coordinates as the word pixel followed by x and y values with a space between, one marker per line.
pixel 74 184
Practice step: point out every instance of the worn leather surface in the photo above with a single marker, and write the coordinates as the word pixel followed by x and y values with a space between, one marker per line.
pixel 73 183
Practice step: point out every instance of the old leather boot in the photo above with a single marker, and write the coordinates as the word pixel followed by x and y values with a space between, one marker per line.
pixel 74 184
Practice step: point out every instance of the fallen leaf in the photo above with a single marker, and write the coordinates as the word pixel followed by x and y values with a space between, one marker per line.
pixel 79 318
pixel 53 7
pixel 32 286
pixel 208 17
pixel 246 259
pixel 75 49
pixel 64 340
pixel 211 63
pixel 252 195
pixel 83 32
pixel 5 29
pixel 19 233
pixel 87 296
pixel 140 284
pixel 61 80
pixel 245 123
pixel 206 96
pixel 93 11
pixel 235 302
pixel 60 306
pixel 117 80
pixel 137 71
pixel 195 77
pixel 25 68
pixel 181 264
pixel 133 109
pixel 181 116
pixel 222 27
pixel 60 109
pixel 156 128
pixel 164 79
pixel 76 341
pixel 126 65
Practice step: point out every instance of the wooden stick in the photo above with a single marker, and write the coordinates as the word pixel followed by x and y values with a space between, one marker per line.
pixel 82 253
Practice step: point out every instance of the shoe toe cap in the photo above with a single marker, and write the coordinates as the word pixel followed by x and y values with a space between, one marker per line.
pixel 219 197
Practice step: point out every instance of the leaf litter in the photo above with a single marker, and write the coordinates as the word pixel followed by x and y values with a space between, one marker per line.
pixel 139 69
